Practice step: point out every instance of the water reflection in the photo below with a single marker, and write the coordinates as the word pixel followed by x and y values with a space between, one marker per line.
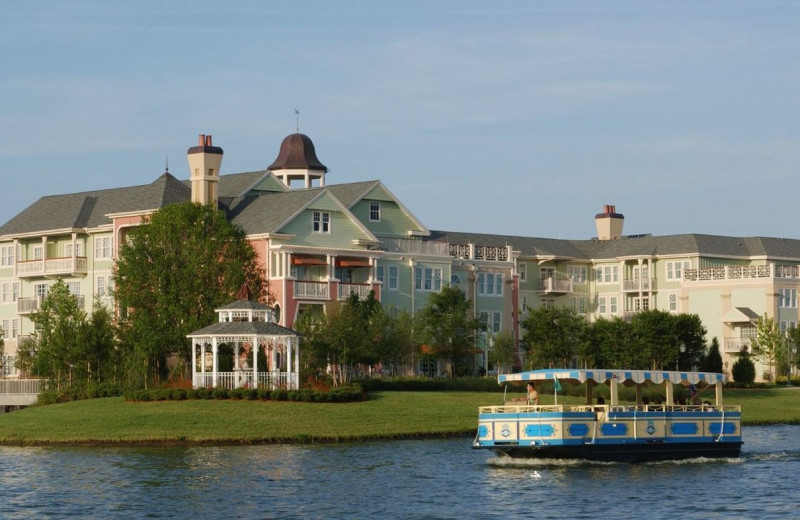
pixel 409 479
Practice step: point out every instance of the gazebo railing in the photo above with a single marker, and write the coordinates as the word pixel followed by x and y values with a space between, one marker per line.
pixel 243 379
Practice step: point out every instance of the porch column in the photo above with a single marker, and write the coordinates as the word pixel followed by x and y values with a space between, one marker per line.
pixel 718 392
pixel 670 393
pixel 203 358
pixel 255 361
pixel 297 361
pixel 614 391
pixel 214 361
pixel 329 260
pixel 194 364
pixel 289 364
pixel 372 267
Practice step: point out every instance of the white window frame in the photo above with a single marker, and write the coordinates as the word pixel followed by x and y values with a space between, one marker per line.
pixel 379 271
pixel 6 293
pixel 100 286
pixel 103 247
pixel 393 277
pixel 522 268
pixel 608 274
pixel 673 302
pixel 490 284
pixel 428 279
pixel 41 290
pixel 497 321
pixel 78 249
pixel 74 288
pixel 374 211
pixel 321 222
pixel 577 273
pixel 38 252
pixel 601 305
pixel 14 291
pixel 787 298
pixel 612 305
pixel 7 256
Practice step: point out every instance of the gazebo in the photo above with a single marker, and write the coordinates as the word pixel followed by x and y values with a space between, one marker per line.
pixel 245 331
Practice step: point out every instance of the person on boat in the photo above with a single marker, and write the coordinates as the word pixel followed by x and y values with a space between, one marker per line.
pixel 533 395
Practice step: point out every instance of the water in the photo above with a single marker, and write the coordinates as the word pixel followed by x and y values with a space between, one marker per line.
pixel 432 479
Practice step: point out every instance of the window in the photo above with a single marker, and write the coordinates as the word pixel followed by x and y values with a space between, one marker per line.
pixel 427 279
pixel 608 274
pixel 14 291
pixel 613 306
pixel 787 298
pixel 581 305
pixel 393 278
pixel 483 317
pixel 10 329
pixel 110 285
pixel 374 211
pixel 101 286
pixel 78 249
pixel 102 247
pixel 601 305
pixel 524 302
pixel 40 289
pixel 14 328
pixel 497 319
pixel 6 293
pixel 8 366
pixel 74 288
pixel 547 303
pixel 675 269
pixel 427 366
pixel 38 253
pixel 641 304
pixel 379 273
pixel 343 274
pixel 321 222
pixel 6 255
pixel 673 302
pixel 576 273
pixel 523 271
pixel 490 284
pixel 6 328
pixel 455 279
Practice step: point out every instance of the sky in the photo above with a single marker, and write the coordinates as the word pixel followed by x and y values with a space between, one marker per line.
pixel 514 118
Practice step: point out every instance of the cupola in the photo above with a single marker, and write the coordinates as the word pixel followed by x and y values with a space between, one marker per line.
pixel 297 161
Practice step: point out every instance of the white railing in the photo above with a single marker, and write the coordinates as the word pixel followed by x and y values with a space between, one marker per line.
pixel 550 285
pixel 360 290
pixel 33 304
pixel 476 252
pixel 737 272
pixel 639 284
pixel 312 290
pixel 244 379
pixel 734 345
pixel 19 392
pixel 417 247
pixel 63 265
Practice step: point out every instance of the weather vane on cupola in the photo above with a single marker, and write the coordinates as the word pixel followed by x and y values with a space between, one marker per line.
pixel 297 119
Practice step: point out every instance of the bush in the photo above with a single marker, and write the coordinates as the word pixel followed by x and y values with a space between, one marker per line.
pixel 744 371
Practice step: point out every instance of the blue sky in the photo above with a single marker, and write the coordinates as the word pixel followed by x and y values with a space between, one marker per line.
pixel 519 118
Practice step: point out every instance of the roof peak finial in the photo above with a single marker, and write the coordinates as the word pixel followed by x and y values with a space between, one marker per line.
pixel 297 119
pixel 166 166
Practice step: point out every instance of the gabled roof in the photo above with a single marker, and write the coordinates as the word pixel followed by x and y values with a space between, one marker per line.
pixel 740 315
pixel 243 328
pixel 268 211
pixel 349 194
pixel 89 209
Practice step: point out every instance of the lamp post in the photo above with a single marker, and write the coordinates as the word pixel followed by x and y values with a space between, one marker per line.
pixel 682 349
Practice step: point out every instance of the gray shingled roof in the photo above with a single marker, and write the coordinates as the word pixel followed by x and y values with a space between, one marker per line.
pixel 89 209
pixel 237 328
pixel 265 212
pixel 245 305
pixel 349 194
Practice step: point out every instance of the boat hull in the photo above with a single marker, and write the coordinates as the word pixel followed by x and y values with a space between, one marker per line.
pixel 627 452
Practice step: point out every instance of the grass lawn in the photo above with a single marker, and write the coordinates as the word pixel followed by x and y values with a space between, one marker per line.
pixel 384 415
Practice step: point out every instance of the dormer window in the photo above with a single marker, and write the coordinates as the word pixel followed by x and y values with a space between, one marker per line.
pixel 375 211
pixel 321 222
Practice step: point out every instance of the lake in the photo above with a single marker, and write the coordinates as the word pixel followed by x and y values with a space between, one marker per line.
pixel 426 479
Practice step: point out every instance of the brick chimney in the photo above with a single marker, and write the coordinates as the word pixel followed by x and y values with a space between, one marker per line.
pixel 609 223
pixel 204 163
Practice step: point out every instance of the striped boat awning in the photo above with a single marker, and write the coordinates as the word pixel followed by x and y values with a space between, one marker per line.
pixel 600 375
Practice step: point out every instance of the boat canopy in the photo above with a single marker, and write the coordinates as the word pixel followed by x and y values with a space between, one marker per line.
pixel 600 376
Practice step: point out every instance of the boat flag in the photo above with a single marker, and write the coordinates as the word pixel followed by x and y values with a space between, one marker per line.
pixel 556 388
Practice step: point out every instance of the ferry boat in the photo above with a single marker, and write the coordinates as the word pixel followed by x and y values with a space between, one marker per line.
pixel 613 431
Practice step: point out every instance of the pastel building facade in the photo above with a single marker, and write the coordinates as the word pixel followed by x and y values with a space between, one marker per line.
pixel 320 242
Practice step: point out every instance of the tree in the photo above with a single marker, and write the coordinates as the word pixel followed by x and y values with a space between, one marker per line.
pixel 446 325
pixel 743 370
pixel 504 352
pixel 394 338
pixel 612 345
pixel 170 276
pixel 713 360
pixel 765 346
pixel 656 335
pixel 690 334
pixel 58 323
pixel 553 336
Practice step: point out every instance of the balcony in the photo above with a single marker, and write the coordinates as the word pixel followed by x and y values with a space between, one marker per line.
pixel 51 267
pixel 475 252
pixel 639 285
pixel 742 272
pixel 414 247
pixel 29 305
pixel 735 345
pixel 554 285
pixel 360 289
pixel 312 290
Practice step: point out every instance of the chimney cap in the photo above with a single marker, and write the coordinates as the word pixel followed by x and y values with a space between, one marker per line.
pixel 204 146
pixel 609 211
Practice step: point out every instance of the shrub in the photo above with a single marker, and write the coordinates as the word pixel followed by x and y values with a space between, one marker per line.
pixel 743 370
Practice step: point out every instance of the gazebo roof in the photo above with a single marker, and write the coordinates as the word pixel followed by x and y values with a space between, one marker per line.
pixel 244 305
pixel 243 328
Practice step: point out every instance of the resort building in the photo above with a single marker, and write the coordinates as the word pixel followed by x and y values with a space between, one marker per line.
pixel 321 242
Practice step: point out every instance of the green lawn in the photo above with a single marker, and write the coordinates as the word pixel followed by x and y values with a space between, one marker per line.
pixel 384 415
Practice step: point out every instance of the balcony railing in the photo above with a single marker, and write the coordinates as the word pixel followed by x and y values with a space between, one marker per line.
pixel 639 284
pixel 312 290
pixel 415 247
pixel 476 252
pixel 359 289
pixel 735 345
pixel 29 305
pixel 554 285
pixel 51 267
pixel 245 379
pixel 739 272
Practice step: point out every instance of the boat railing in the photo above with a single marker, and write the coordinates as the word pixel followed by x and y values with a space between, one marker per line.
pixel 521 408
pixel 658 408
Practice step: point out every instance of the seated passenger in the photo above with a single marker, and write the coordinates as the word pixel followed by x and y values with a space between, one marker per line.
pixel 533 395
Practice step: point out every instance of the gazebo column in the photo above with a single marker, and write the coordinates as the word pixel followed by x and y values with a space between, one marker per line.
pixel 214 361
pixel 203 360
pixel 194 365
pixel 297 362
pixel 254 350
pixel 289 360
pixel 273 361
